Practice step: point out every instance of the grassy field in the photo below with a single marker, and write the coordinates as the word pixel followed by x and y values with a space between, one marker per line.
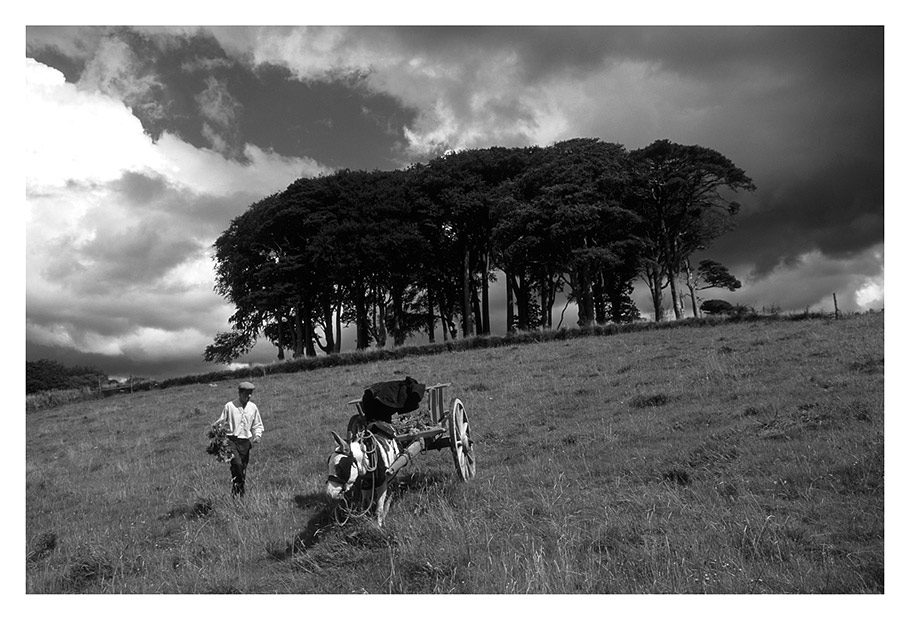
pixel 738 458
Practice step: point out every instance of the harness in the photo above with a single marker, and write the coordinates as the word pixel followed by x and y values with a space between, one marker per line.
pixel 367 441
pixel 368 445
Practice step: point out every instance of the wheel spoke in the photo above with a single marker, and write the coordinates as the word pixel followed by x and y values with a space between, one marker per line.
pixel 460 441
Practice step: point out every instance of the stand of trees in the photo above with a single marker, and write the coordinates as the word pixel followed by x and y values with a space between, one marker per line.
pixel 395 253
pixel 45 375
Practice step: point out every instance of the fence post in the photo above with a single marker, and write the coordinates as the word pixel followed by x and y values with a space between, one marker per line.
pixel 836 311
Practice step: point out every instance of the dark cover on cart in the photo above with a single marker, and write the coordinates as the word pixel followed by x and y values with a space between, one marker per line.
pixel 381 400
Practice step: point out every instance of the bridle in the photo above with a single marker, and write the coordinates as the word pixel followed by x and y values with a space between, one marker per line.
pixel 345 483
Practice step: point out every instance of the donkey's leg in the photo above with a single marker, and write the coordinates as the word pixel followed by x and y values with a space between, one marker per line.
pixel 382 506
pixel 366 498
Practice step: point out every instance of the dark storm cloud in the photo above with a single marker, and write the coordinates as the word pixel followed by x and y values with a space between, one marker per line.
pixel 213 100
pixel 711 53
pixel 540 50
pixel 838 210
pixel 801 110
pixel 717 53
pixel 339 123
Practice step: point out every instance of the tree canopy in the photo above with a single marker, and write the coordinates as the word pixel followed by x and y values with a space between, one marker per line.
pixel 396 253
pixel 683 196
pixel 46 375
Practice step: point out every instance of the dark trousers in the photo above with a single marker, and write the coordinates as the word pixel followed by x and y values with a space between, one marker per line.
pixel 239 461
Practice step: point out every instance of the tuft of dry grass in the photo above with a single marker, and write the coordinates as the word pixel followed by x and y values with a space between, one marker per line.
pixel 720 458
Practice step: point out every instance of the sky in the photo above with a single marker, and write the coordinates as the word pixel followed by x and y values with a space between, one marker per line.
pixel 143 143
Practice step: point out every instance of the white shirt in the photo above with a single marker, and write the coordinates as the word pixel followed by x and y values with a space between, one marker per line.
pixel 243 422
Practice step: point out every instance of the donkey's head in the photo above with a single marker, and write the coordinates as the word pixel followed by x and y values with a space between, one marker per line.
pixel 344 467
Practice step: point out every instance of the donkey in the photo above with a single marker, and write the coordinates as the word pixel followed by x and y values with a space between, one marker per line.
pixel 362 462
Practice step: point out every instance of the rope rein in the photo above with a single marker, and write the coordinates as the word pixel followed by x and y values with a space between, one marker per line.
pixel 348 511
pixel 368 443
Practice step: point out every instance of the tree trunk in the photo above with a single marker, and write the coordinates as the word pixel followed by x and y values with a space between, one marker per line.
pixel 298 332
pixel 654 286
pixel 690 283
pixel 327 321
pixel 674 297
pixel 519 286
pixel 378 321
pixel 584 300
pixel 467 327
pixel 600 299
pixel 615 296
pixel 431 320
pixel 552 300
pixel 663 263
pixel 398 334
pixel 338 325
pixel 362 318
pixel 544 296
pixel 547 299
pixel 672 270
pixel 308 339
pixel 485 295
pixel 279 323
pixel 546 319
pixel 510 310
pixel 475 308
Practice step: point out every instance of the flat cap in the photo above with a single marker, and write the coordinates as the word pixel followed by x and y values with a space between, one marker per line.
pixel 246 385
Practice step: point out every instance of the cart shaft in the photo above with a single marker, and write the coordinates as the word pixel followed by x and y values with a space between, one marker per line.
pixel 404 458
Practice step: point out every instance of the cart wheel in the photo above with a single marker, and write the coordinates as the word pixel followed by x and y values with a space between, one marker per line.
pixel 460 441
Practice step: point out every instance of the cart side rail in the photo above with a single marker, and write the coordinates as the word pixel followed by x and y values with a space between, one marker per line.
pixel 436 400
pixel 357 404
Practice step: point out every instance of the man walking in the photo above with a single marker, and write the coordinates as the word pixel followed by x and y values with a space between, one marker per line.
pixel 244 428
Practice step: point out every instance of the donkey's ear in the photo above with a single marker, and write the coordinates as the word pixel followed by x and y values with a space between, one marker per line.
pixel 341 442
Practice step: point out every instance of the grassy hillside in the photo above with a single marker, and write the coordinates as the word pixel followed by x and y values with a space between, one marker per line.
pixel 738 458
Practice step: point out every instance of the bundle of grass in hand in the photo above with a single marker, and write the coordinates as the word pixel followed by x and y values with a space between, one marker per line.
pixel 219 445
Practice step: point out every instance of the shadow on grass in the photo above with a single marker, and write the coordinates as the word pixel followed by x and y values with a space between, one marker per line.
pixel 409 482
pixel 329 520
pixel 310 501
pixel 42 547
pixel 86 571
pixel 325 517
pixel 200 508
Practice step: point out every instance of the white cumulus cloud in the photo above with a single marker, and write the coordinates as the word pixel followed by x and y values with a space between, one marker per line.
pixel 119 227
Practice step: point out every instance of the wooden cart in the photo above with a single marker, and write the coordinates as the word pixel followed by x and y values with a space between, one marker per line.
pixel 447 428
